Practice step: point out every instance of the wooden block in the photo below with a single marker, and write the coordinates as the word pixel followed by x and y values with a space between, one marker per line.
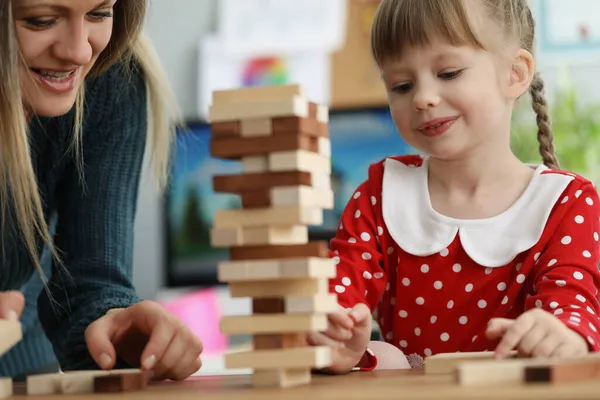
pixel 281 377
pixel 278 288
pixel 275 305
pixel 564 371
pixel 256 199
pixel 43 384
pixel 317 249
pixel 79 382
pixel 299 160
pixel 324 147
pixel 284 107
pixel 261 235
pixel 446 363
pixel 322 113
pixel 226 237
pixel 309 267
pixel 6 388
pixel 279 341
pixel 10 334
pixel 318 304
pixel 255 164
pixel 235 148
pixel 241 183
pixel 273 269
pixel 272 323
pixel 125 382
pixel 313 357
pixel 299 126
pixel 256 127
pixel 225 129
pixel 321 181
pixel 257 93
pixel 268 216
pixel 302 196
pixel 510 371
pixel 244 271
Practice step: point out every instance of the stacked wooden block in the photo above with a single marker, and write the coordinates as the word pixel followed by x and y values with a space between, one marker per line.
pixel 282 140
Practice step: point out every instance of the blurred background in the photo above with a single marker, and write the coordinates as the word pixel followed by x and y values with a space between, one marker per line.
pixel 207 45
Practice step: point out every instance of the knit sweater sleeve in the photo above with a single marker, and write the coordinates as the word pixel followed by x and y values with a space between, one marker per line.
pixel 95 224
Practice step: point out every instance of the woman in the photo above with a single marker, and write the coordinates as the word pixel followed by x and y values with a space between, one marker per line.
pixel 70 164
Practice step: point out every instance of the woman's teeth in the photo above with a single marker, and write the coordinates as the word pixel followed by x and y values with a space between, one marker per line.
pixel 52 75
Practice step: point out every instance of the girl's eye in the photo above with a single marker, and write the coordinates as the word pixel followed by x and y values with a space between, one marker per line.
pixel 40 22
pixel 402 88
pixel 450 75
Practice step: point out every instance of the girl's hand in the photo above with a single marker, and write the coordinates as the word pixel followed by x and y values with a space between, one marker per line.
pixel 536 333
pixel 11 305
pixel 145 335
pixel 348 334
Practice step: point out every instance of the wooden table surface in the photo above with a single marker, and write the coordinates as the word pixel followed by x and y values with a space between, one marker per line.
pixel 399 384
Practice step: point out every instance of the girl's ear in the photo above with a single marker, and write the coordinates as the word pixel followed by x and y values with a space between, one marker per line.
pixel 521 74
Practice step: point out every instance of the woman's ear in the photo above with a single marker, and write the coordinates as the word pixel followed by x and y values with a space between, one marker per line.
pixel 521 74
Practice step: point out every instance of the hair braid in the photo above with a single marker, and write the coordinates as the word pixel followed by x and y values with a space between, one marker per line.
pixel 545 135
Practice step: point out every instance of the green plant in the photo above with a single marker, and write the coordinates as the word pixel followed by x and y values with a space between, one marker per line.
pixel 576 126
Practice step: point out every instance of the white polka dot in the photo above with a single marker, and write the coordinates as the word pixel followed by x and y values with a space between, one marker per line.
pixel 424 268
pixel 579 219
pixel 420 301
pixel 357 214
pixel 501 286
pixel 468 287
pixel 596 237
pixel 561 283
pixel 575 307
pixel 456 268
pixel 444 337
pixel 590 310
pixel 592 327
pixel 565 199
pixel 366 256
pixel 336 252
pixel 393 301
pixel 444 252
pixel 340 289
pixel 336 260
pixel 505 300
pixel 373 200
pixel 576 314
pixel 352 240
pixel 578 193
pixel 538 303
pixel 379 230
pixel 590 340
pixel 481 303
pixel 536 256
pixel 575 319
pixel 520 278
pixel 566 240
pixel 488 271
pixel 450 304
pixel 418 331
pixel 558 311
pixel 580 298
pixel 433 319
pixel 365 236
pixel 356 195
pixel 378 275
pixel 406 281
pixel 403 314
pixel 367 275
pixel 390 250
pixel 463 320
pixel 438 285
pixel 346 281
pixel 586 254
pixel 341 225
pixel 474 338
pixel 552 262
pixel 578 275
pixel 387 287
pixel 389 336
pixel 403 343
pixel 427 352
pixel 589 201
pixel 553 305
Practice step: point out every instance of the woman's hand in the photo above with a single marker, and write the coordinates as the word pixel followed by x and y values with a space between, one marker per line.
pixel 145 335
pixel 11 305
pixel 536 333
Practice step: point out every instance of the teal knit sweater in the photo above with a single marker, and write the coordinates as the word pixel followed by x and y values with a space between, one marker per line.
pixel 92 225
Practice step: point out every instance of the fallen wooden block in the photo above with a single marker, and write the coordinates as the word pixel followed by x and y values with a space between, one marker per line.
pixel 78 382
pixel 509 371
pixel 313 357
pixel 268 216
pixel 279 288
pixel 446 363
pixel 272 324
pixel 236 148
pixel 43 384
pixel 11 333
pixel 284 107
pixel 564 371
pixel 123 382
pixel 318 249
pixel 6 388
pixel 281 377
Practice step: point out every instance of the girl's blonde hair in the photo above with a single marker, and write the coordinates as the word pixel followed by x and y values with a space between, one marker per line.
pixel 18 186
pixel 402 23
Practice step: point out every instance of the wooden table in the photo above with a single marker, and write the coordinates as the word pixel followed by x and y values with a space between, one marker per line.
pixel 400 384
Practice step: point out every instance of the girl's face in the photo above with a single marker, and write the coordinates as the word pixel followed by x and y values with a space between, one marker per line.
pixel 447 101
pixel 60 41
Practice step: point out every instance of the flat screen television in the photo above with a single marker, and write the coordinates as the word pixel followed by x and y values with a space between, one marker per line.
pixel 358 138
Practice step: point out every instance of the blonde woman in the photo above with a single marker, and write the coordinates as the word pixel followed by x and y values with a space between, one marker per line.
pixel 76 82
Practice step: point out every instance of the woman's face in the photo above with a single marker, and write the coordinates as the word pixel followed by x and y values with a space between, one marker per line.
pixel 60 41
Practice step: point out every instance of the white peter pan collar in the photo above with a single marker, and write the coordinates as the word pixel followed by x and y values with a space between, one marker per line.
pixel 492 242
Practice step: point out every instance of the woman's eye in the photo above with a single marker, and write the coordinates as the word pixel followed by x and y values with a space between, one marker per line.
pixel 40 22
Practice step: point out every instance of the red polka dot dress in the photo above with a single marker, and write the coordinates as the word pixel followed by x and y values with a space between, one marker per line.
pixel 436 281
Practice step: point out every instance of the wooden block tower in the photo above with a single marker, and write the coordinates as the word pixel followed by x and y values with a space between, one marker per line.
pixel 282 140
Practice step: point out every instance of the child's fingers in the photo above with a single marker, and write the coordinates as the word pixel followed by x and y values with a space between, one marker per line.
pixel 342 319
pixel 319 339
pixel 338 332
pixel 532 338
pixel 360 314
pixel 513 335
pixel 497 327
pixel 547 347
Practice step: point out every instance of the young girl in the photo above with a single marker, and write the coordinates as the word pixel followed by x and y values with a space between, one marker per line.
pixel 466 248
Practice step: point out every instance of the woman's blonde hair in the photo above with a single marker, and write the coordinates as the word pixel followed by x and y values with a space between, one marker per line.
pixel 18 186
pixel 402 23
